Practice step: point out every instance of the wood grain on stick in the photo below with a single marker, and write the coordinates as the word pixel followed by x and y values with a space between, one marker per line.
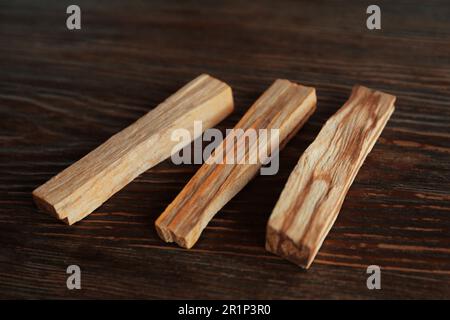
pixel 316 188
pixel 285 106
pixel 75 192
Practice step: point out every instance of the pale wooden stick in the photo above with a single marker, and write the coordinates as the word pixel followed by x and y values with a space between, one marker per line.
pixel 316 188
pixel 284 106
pixel 75 192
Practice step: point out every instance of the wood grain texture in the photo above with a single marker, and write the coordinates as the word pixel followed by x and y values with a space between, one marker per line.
pixel 64 93
pixel 312 198
pixel 81 188
pixel 285 107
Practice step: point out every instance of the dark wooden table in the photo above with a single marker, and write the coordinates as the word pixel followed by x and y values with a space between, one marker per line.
pixel 62 93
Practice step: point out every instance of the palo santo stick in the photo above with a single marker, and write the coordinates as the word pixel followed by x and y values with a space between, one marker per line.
pixel 316 188
pixel 81 188
pixel 285 106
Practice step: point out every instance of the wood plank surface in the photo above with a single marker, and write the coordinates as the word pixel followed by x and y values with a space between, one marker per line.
pixel 313 195
pixel 284 107
pixel 63 93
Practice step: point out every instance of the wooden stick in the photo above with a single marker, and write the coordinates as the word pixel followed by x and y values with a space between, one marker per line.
pixel 285 106
pixel 316 188
pixel 78 190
